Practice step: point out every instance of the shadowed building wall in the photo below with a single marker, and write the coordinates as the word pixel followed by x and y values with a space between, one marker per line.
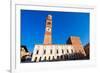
pixel 87 50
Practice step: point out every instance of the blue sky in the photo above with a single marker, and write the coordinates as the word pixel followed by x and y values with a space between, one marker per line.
pixel 64 25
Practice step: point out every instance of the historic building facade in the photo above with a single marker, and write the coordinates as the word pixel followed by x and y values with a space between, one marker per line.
pixel 72 50
pixel 25 56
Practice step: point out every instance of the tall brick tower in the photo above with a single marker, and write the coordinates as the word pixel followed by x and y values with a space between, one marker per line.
pixel 48 30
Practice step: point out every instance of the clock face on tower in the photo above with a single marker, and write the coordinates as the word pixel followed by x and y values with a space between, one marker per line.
pixel 48 29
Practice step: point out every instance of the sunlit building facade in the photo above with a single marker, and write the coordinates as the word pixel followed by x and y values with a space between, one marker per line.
pixel 72 50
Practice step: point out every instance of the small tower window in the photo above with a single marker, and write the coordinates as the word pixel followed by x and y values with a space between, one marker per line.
pixel 49 23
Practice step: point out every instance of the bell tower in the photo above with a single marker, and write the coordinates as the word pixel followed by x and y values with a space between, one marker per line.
pixel 48 30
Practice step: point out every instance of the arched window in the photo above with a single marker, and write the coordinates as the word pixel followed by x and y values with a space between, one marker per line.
pixel 44 51
pixel 37 52
pixel 57 51
pixel 65 57
pixel 67 51
pixel 49 58
pixel 71 50
pixel 61 57
pixel 57 57
pixel 62 51
pixel 45 58
pixel 35 59
pixel 39 59
pixel 51 51
pixel 53 58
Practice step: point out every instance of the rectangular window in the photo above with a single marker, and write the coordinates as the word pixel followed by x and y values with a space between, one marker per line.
pixel 35 59
pixel 44 51
pixel 37 52
pixel 67 51
pixel 57 51
pixel 51 51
